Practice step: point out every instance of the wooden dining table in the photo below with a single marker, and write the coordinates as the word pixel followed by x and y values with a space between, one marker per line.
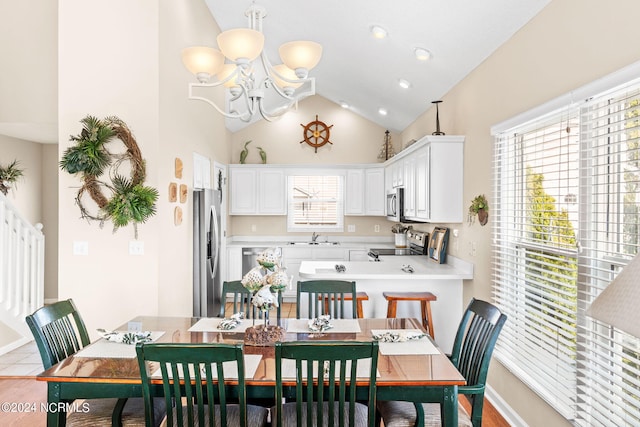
pixel 409 377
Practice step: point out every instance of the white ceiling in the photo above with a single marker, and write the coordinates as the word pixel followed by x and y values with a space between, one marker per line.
pixel 364 71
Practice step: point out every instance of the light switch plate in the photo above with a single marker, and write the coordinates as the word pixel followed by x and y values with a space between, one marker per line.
pixel 136 247
pixel 80 247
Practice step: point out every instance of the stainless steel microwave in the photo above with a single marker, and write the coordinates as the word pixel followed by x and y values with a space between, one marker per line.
pixel 395 205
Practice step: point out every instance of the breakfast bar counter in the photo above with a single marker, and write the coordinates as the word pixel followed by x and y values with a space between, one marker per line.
pixel 392 273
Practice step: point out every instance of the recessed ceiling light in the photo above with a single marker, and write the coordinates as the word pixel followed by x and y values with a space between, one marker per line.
pixel 343 104
pixel 422 54
pixel 404 84
pixel 378 32
pixel 382 111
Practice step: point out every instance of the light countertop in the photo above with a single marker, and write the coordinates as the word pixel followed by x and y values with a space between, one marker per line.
pixel 390 267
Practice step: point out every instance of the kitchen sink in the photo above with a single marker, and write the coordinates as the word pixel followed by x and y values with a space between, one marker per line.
pixel 314 243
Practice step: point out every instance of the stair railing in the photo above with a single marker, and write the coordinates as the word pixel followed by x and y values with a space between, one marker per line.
pixel 21 266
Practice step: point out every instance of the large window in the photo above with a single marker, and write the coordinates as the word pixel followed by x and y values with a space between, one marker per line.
pixel 315 203
pixel 567 197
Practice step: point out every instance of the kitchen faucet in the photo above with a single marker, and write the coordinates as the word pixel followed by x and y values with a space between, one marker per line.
pixel 314 237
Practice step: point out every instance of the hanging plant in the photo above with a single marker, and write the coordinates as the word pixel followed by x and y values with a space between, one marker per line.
pixel 9 175
pixel 128 200
pixel 480 207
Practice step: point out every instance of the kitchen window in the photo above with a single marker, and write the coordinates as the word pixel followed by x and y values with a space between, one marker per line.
pixel 567 219
pixel 315 203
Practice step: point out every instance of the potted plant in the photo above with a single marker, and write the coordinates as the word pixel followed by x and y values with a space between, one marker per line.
pixel 9 175
pixel 480 206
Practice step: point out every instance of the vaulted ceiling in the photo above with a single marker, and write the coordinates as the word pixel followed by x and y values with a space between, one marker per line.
pixel 363 71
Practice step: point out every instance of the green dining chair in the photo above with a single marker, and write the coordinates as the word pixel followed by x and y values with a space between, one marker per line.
pixel 320 291
pixel 239 300
pixel 472 349
pixel 334 401
pixel 60 332
pixel 208 401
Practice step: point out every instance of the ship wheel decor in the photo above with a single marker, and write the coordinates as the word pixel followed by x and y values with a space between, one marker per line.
pixel 126 200
pixel 316 133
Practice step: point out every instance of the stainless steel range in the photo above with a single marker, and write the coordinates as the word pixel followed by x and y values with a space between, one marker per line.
pixel 418 242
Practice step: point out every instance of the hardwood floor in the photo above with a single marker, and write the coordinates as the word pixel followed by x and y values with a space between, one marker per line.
pixel 25 395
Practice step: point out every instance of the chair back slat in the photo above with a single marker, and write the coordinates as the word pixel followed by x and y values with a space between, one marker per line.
pixel 326 377
pixel 58 330
pixel 240 301
pixel 193 374
pixel 327 297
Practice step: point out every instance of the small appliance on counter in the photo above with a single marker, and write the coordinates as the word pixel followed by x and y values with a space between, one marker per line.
pixel 417 240
pixel 437 249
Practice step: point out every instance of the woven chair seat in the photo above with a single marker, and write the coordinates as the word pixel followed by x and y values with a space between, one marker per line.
pixel 256 416
pixel 403 414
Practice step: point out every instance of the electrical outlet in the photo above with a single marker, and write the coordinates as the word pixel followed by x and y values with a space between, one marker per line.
pixel 376 228
pixel 136 247
pixel 253 228
pixel 80 247
pixel 351 228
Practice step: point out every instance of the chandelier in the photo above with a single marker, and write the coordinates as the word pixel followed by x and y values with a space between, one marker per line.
pixel 250 81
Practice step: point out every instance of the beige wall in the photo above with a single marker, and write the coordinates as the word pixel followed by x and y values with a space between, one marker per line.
pixel 569 44
pixel 118 71
pixel 354 140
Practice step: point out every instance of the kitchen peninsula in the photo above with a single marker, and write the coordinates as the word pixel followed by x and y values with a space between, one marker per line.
pixel 392 274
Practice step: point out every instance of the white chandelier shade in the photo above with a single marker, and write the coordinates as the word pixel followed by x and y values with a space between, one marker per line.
pixel 241 44
pixel 300 56
pixel 247 82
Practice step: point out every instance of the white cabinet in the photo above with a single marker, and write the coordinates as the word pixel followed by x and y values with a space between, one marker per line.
pixel 234 264
pixel 354 192
pixel 257 191
pixel 374 195
pixel 409 168
pixel 432 171
pixel 422 183
pixel 365 192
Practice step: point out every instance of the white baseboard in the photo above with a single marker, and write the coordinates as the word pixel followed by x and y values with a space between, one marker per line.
pixel 15 344
pixel 509 415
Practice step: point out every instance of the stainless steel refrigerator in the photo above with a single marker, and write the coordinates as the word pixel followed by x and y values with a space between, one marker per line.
pixel 207 284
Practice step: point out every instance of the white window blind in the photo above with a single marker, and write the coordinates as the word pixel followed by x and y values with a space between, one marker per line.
pixel 315 203
pixel 535 251
pixel 609 374
pixel 567 209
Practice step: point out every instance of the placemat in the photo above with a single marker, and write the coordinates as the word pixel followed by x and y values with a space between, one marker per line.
pixel 115 350
pixel 251 362
pixel 210 324
pixel 416 346
pixel 362 371
pixel 350 326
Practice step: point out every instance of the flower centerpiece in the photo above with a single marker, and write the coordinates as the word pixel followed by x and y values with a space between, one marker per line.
pixel 265 281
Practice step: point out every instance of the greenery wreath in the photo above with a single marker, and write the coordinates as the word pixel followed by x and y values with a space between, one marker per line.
pixel 130 201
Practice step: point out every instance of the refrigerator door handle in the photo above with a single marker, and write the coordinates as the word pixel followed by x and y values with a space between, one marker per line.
pixel 214 240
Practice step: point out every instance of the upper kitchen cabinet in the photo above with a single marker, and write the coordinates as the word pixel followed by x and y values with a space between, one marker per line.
pixel 432 178
pixel 365 191
pixel 257 190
